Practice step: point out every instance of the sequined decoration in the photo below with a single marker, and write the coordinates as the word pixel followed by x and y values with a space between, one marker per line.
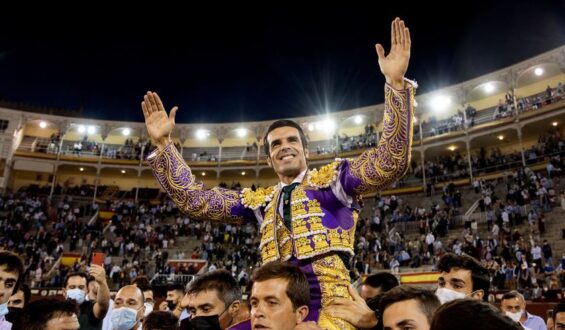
pixel 378 167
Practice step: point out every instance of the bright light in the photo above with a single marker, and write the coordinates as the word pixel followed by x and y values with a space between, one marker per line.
pixel 311 127
pixel 81 169
pixel 42 124
pixel 500 137
pixel 203 173
pixel 358 119
pixel 202 134
pixel 243 173
pixel 123 171
pixel 126 131
pixel 489 88
pixel 538 71
pixel 241 132
pixel 81 129
pixel 328 125
pixel 415 103
pixel 91 129
pixel 318 126
pixel 440 103
pixel 554 123
pixel 452 148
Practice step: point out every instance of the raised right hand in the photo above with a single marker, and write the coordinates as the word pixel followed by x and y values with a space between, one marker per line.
pixel 159 124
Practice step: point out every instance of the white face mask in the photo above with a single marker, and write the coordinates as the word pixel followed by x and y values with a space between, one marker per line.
pixel 148 308
pixel 4 309
pixel 514 316
pixel 446 295
pixel 77 295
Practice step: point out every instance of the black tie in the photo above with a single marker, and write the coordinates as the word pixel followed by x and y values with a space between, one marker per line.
pixel 287 190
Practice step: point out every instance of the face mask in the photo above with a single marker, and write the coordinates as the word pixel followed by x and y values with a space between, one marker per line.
pixel 4 309
pixel 211 322
pixel 514 316
pixel 124 318
pixel 171 305
pixel 77 295
pixel 148 308
pixel 446 295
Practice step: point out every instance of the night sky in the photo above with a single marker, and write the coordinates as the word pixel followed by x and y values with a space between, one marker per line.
pixel 242 63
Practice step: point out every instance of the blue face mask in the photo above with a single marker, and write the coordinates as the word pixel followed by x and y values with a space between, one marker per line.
pixel 4 309
pixel 77 295
pixel 124 318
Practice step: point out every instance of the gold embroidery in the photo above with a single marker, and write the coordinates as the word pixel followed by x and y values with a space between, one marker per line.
pixel 378 167
pixel 188 193
pixel 333 277
pixel 325 176
pixel 258 198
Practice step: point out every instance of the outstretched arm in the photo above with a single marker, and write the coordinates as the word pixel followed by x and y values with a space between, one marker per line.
pixel 378 167
pixel 175 176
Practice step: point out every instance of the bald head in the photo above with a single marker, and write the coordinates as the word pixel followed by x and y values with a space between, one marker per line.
pixel 129 296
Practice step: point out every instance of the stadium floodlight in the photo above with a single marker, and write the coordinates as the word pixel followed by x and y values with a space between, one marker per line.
pixel 81 169
pixel 328 125
pixel 202 134
pixel 243 173
pixel 554 123
pixel 500 137
pixel 126 131
pixel 123 171
pixel 42 124
pixel 358 119
pixel 489 88
pixel 310 127
pixel 538 71
pixel 440 103
pixel 241 132
pixel 91 129
pixel 81 129
pixel 452 148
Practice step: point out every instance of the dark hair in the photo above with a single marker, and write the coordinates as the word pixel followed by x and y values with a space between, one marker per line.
pixel 176 287
pixel 221 281
pixel 427 300
pixel 383 280
pixel 471 314
pixel 161 321
pixel 89 279
pixel 27 293
pixel 284 123
pixel 73 274
pixel 13 264
pixel 142 283
pixel 297 289
pixel 479 274
pixel 559 308
pixel 37 314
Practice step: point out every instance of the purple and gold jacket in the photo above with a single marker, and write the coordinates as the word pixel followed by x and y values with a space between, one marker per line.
pixel 323 209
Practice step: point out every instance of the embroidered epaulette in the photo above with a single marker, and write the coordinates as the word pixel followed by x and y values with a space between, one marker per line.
pixel 325 176
pixel 258 198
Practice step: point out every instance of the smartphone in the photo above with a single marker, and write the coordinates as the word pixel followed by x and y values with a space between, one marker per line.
pixel 97 258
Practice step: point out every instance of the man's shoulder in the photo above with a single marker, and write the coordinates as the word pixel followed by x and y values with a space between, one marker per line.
pixel 325 176
pixel 257 198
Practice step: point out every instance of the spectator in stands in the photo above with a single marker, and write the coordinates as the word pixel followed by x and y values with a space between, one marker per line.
pixel 513 305
pixel 279 297
pixel 91 312
pixel 128 310
pixel 408 307
pixel 11 275
pixel 460 277
pixel 172 303
pixel 213 299
pixel 376 284
pixel 49 314
pixel 471 314
pixel 160 321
